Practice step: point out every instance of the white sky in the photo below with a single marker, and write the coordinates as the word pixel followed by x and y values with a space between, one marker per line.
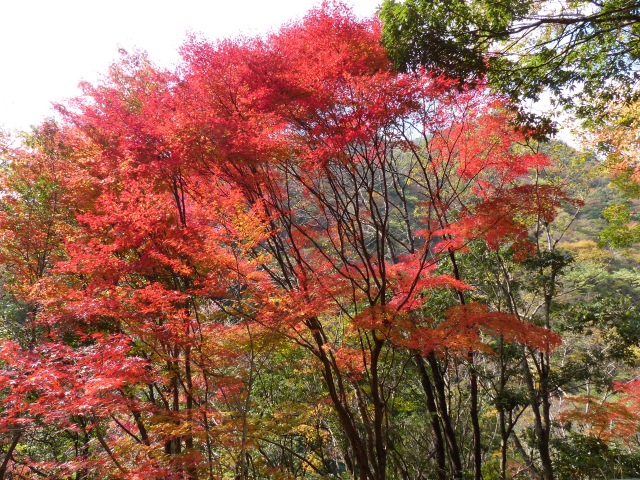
pixel 48 46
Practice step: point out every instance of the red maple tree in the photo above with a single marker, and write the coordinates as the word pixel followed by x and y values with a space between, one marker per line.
pixel 286 189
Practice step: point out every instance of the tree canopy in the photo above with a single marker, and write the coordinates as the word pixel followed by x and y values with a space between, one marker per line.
pixel 585 52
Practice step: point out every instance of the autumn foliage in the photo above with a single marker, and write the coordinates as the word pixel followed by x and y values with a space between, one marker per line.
pixel 290 195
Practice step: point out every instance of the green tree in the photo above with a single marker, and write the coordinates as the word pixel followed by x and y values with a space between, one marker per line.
pixel 585 52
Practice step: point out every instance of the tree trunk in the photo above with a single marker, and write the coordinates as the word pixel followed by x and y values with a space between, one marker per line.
pixel 438 441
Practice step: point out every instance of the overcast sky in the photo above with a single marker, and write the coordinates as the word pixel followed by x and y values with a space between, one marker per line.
pixel 48 46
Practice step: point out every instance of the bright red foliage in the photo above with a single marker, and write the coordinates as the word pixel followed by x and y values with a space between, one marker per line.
pixel 278 188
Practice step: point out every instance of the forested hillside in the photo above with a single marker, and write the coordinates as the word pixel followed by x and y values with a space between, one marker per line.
pixel 296 257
